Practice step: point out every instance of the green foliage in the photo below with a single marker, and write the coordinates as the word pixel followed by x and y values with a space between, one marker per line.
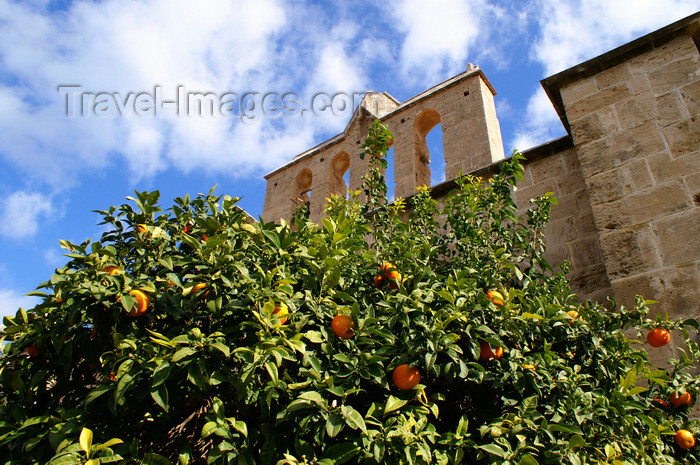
pixel 213 375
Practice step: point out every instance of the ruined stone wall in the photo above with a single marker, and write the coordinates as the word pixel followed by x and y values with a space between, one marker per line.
pixel 627 177
pixel 464 107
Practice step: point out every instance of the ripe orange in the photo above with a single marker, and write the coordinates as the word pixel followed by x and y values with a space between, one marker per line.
pixel 141 228
pixel 198 287
pixel 343 326
pixel 573 314
pixel 377 281
pixel 684 439
pixel 683 399
pixel 495 297
pixel 112 270
pixel 405 377
pixel 32 351
pixel 281 310
pixel 487 354
pixel 661 402
pixel 142 302
pixel 658 337
pixel 187 229
pixel 390 273
pixel 527 366
pixel 205 238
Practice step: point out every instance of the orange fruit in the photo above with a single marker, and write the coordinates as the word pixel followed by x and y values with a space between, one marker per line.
pixel 32 351
pixel 205 238
pixel 112 270
pixel 405 377
pixel 388 273
pixel 661 402
pixel 281 310
pixel 573 314
pixel 487 354
pixel 528 366
pixel 377 281
pixel 658 337
pixel 198 287
pixel 141 228
pixel 142 302
pixel 343 326
pixel 684 439
pixel 187 229
pixel 495 297
pixel 683 399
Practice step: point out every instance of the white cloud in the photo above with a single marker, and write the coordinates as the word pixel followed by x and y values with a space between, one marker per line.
pixel 22 212
pixel 571 32
pixel 11 301
pixel 131 46
pixel 438 36
pixel 574 31
pixel 540 124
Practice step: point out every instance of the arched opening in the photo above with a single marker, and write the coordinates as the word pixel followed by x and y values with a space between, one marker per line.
pixel 340 174
pixel 302 191
pixel 425 123
pixel 437 157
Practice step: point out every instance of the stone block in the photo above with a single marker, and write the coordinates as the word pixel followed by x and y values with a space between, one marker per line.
pixel 585 252
pixel 682 46
pixel 619 149
pixel 692 183
pixel 606 187
pixel 636 175
pixel 638 83
pixel 586 224
pixel 547 168
pixel 635 111
pixel 578 90
pixel 570 182
pixel 677 289
pixel 523 196
pixel 563 230
pixel 597 101
pixel 684 136
pixel 691 97
pixel 591 283
pixel 612 76
pixel 568 206
pixel 678 237
pixel 664 168
pixel 641 207
pixel 557 254
pixel 629 251
pixel 671 108
pixel 674 74
pixel 594 126
pixel 570 159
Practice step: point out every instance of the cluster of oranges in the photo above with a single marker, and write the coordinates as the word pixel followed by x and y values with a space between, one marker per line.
pixel 659 337
pixel 388 273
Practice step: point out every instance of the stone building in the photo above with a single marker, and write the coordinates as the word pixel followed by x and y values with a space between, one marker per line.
pixel 627 174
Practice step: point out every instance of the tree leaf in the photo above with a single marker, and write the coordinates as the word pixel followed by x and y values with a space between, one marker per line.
pixel 86 441
pixel 393 403
pixel 334 425
pixel 353 418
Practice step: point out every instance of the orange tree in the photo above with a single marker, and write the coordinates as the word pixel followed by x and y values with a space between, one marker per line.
pixel 192 336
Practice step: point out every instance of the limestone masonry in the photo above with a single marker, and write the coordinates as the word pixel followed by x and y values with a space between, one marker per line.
pixel 627 175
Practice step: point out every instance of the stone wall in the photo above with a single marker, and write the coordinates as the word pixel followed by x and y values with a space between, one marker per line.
pixel 464 107
pixel 627 176
pixel 635 128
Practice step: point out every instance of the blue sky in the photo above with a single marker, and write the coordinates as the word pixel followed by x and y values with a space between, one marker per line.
pixel 56 169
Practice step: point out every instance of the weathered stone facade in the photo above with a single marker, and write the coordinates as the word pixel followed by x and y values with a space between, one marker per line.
pixel 627 176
